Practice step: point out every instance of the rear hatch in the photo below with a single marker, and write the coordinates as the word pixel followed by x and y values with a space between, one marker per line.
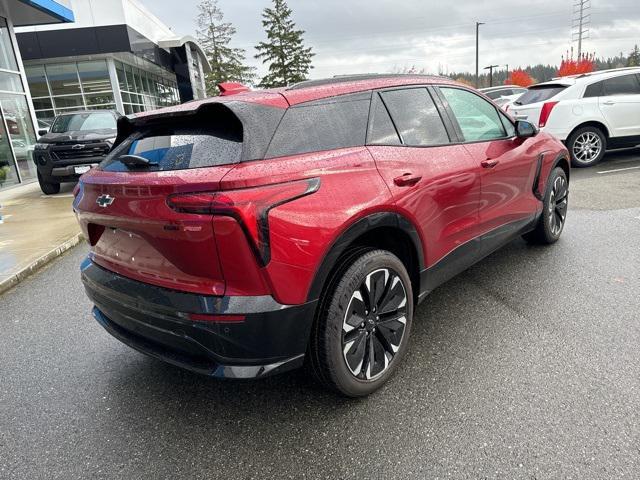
pixel 122 205
pixel 529 106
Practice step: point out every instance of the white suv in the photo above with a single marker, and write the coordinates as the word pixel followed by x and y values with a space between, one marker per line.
pixel 590 113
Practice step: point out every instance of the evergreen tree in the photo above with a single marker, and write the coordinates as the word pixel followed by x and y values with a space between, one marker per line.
pixel 227 63
pixel 634 58
pixel 289 60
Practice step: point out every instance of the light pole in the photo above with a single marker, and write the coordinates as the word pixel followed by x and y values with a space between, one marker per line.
pixel 490 68
pixel 507 66
pixel 477 37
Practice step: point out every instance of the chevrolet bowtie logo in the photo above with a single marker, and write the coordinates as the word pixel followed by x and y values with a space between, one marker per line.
pixel 78 146
pixel 104 200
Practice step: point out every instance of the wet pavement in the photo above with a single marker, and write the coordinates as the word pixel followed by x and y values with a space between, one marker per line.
pixel 33 224
pixel 526 366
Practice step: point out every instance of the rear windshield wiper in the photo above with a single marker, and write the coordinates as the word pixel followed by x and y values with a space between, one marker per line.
pixel 136 161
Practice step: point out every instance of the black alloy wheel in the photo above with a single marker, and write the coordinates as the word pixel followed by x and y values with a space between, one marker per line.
pixel 374 324
pixel 363 323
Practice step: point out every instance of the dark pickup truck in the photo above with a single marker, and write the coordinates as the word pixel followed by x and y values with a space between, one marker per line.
pixel 75 142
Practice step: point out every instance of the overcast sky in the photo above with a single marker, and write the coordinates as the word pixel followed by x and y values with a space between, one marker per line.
pixel 362 36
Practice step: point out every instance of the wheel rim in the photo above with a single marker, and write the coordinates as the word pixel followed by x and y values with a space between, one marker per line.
pixel 587 147
pixel 374 324
pixel 558 203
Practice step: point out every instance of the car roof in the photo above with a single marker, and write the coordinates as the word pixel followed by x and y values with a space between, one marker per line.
pixel 301 92
pixel 499 87
pixel 341 85
pixel 586 78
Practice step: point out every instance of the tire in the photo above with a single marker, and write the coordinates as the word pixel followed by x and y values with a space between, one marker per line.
pixel 47 187
pixel 347 328
pixel 554 211
pixel 587 146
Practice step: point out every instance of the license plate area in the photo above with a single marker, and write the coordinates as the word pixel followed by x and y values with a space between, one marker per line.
pixel 81 169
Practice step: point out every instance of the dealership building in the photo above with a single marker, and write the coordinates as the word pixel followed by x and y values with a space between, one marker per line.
pixel 85 54
pixel 17 117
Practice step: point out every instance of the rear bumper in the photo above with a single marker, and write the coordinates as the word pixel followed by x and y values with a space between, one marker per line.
pixel 272 338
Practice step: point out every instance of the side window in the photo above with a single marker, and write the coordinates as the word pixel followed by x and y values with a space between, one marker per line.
pixel 478 119
pixel 508 126
pixel 338 122
pixel 623 85
pixel 381 129
pixel 416 117
pixel 593 90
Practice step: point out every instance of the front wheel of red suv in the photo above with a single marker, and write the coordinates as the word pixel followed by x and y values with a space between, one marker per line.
pixel 362 330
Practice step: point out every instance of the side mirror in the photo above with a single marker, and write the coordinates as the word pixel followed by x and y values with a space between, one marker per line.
pixel 525 129
pixel 42 131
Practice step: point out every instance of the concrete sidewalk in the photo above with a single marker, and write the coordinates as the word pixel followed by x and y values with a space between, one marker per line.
pixel 35 229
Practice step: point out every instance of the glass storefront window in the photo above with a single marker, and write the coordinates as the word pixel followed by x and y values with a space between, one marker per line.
pixel 10 82
pixel 68 102
pixel 8 174
pixel 63 78
pixel 37 81
pixel 122 79
pixel 7 55
pixel 23 138
pixel 94 76
pixel 99 99
pixel 42 103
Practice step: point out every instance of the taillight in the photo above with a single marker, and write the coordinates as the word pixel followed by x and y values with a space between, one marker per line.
pixel 249 206
pixel 545 112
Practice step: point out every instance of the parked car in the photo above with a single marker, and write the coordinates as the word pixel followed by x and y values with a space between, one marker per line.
pixel 591 112
pixel 241 235
pixel 495 93
pixel 73 144
pixel 502 102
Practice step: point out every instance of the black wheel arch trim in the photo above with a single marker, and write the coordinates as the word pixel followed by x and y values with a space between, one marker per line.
pixel 352 233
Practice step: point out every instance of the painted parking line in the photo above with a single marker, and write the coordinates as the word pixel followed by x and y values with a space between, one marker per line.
pixel 619 169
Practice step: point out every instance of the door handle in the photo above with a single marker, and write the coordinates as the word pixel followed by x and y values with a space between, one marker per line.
pixel 489 163
pixel 608 102
pixel 407 180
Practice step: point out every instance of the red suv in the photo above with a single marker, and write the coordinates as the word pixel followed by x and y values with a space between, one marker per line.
pixel 243 235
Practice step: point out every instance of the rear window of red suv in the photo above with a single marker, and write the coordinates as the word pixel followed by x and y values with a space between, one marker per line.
pixel 181 144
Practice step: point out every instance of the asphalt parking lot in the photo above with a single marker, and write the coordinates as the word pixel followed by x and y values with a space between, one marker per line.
pixel 526 366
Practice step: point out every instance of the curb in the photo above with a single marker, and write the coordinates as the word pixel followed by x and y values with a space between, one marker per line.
pixel 15 279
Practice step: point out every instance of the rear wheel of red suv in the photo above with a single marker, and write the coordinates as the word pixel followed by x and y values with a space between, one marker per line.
pixel 363 326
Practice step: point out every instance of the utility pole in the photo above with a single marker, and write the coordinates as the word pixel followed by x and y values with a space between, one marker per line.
pixel 581 21
pixel 477 37
pixel 507 66
pixel 490 68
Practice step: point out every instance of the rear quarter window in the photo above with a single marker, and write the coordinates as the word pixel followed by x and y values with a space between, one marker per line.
pixel 338 122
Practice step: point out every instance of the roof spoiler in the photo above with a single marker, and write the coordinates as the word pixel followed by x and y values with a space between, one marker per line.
pixel 232 88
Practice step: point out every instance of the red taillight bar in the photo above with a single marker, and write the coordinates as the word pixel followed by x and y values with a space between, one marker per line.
pixel 249 206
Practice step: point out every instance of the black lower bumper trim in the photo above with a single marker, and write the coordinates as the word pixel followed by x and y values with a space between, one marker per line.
pixel 155 320
pixel 202 365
